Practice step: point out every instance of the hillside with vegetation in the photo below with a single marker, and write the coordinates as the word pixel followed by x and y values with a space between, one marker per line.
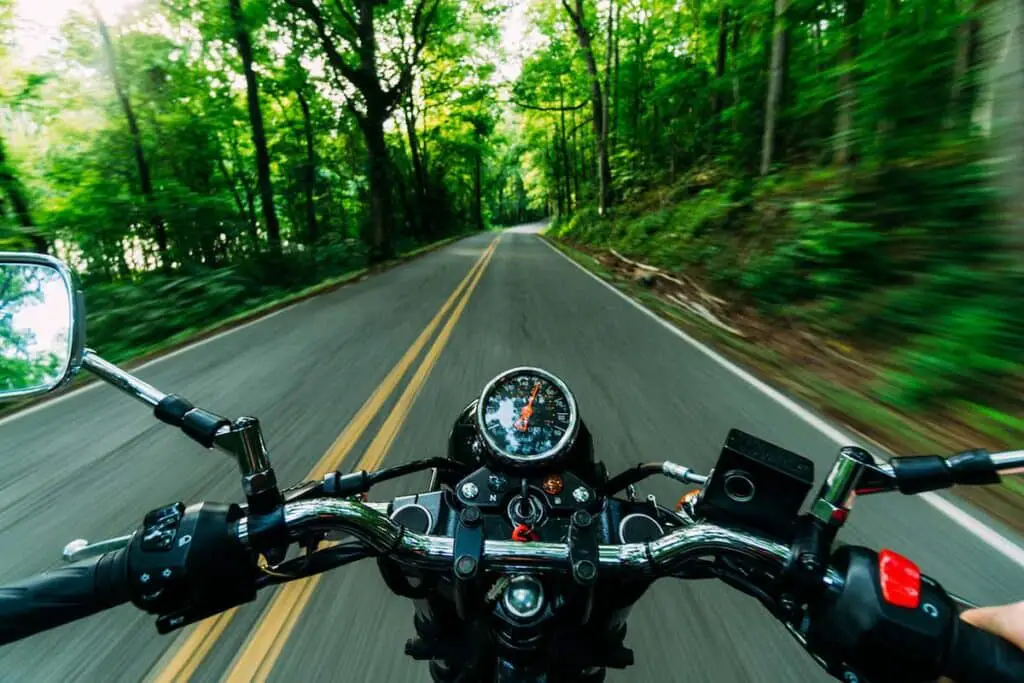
pixel 828 189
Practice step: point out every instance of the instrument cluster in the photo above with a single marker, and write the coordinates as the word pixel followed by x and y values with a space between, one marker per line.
pixel 527 418
pixel 532 475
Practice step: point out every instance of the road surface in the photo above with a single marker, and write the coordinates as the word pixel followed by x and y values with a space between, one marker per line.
pixel 90 465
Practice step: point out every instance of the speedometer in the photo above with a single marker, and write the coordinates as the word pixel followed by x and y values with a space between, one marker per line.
pixel 527 416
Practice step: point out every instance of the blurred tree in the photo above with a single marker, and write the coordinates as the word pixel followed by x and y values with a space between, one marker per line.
pixel 599 107
pixel 380 87
pixel 776 84
pixel 145 181
pixel 259 136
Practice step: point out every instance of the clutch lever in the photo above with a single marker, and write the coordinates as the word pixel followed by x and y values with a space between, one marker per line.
pixel 81 549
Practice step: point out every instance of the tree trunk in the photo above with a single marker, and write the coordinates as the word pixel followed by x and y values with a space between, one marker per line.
pixel 777 79
pixel 312 230
pixel 232 185
pixel 967 33
pixel 422 218
pixel 381 220
pixel 735 49
pixel 844 147
pixel 608 53
pixel 378 101
pixel 604 172
pixel 259 136
pixel 478 185
pixel 567 166
pixel 252 225
pixel 638 67
pixel 720 58
pixel 553 155
pixel 12 188
pixel 615 97
pixel 1000 114
pixel 145 181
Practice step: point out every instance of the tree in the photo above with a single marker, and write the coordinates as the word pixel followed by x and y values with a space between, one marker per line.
pixel 11 187
pixel 145 181
pixel 259 136
pixel 852 14
pixel 599 107
pixel 378 99
pixel 25 362
pixel 777 80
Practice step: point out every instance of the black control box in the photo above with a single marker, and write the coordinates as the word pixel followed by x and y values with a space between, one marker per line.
pixel 756 484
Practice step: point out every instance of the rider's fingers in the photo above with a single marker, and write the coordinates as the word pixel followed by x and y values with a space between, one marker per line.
pixel 1005 620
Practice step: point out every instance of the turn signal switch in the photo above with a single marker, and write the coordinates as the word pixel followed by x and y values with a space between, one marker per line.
pixel 186 564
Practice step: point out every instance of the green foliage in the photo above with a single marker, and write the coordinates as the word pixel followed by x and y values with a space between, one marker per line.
pixel 26 361
pixel 908 261
pixel 127 317
pixel 877 221
pixel 967 352
pixel 72 166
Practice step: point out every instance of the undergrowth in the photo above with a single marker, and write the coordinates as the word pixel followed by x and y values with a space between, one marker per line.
pixel 905 262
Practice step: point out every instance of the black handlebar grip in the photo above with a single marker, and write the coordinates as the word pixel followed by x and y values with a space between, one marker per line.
pixel 977 656
pixel 62 595
pixel 202 426
pixel 172 409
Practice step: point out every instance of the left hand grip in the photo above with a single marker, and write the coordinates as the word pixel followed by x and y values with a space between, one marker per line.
pixel 62 595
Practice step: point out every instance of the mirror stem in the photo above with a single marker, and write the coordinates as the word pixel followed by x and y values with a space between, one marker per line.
pixel 241 439
pixel 126 382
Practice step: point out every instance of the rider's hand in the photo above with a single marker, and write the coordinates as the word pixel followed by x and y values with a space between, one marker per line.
pixel 1006 621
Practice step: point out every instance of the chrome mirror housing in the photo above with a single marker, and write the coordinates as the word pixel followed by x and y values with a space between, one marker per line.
pixel 42 325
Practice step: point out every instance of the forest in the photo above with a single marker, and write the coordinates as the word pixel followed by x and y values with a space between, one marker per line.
pixel 838 180
pixel 831 186
pixel 192 159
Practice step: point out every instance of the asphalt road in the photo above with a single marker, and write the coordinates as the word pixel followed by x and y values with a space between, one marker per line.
pixel 90 465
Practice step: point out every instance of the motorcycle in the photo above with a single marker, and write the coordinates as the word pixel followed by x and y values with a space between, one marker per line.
pixel 523 558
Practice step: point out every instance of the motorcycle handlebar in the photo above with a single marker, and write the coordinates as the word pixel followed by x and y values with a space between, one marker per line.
pixel 370 524
pixel 977 655
pixel 84 588
pixel 970 656
pixel 62 595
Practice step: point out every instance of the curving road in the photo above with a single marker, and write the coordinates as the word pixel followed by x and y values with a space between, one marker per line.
pixel 92 463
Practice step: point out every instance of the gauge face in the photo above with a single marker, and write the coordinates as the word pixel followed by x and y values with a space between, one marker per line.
pixel 527 415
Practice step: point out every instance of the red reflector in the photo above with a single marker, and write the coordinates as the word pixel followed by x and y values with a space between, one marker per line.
pixel 901 580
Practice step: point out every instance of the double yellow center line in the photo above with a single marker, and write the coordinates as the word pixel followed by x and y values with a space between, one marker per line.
pixel 263 646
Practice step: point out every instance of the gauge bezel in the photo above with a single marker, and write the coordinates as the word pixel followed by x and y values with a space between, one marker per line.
pixel 560 448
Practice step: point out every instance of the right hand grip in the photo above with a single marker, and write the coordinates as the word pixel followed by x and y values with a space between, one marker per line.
pixel 977 656
pixel 62 595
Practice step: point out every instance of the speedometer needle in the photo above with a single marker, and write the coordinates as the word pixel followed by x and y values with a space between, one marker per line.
pixel 523 423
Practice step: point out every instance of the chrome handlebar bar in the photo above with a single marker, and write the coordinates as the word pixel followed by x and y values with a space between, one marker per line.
pixel 370 524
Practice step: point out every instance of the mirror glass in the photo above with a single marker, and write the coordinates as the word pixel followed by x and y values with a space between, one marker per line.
pixel 36 328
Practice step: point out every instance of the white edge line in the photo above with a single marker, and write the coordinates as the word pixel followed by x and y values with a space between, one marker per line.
pixel 989 536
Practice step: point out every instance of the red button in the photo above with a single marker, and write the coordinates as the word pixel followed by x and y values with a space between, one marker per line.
pixel 901 580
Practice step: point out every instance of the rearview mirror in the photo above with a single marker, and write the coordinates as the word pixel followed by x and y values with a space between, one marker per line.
pixel 41 326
